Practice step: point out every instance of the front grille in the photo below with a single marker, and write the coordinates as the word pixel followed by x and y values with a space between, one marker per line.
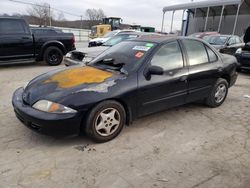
pixel 35 127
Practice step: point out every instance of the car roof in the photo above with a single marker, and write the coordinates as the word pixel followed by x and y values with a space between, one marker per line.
pixel 221 35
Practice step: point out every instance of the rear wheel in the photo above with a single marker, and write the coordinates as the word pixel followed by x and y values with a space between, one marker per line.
pixel 218 93
pixel 105 121
pixel 53 56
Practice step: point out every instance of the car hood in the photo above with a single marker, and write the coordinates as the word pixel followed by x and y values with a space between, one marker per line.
pixel 100 39
pixel 57 85
pixel 94 51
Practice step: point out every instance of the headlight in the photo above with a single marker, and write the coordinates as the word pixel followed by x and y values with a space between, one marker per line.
pixel 51 107
pixel 238 51
pixel 68 55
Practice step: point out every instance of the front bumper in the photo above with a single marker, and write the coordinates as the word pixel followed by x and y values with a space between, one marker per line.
pixel 43 122
pixel 243 59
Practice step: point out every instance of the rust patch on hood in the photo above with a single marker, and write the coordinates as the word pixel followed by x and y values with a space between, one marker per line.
pixel 79 75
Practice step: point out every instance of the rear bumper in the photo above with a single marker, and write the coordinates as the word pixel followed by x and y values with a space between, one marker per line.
pixel 43 122
pixel 233 79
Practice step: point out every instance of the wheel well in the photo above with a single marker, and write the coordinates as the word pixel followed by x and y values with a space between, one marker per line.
pixel 226 77
pixel 127 110
pixel 52 45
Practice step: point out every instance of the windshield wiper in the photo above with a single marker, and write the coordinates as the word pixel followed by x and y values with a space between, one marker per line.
pixel 115 66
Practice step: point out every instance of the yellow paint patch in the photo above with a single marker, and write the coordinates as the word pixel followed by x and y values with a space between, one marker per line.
pixel 79 75
pixel 42 174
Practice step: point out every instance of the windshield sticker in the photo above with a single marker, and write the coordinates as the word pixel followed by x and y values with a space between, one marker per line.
pixel 139 54
pixel 149 45
pixel 141 48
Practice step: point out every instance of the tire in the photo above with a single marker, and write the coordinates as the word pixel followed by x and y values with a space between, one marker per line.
pixel 53 56
pixel 110 117
pixel 220 89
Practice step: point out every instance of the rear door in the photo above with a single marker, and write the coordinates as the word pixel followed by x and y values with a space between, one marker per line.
pixel 16 41
pixel 204 68
pixel 163 91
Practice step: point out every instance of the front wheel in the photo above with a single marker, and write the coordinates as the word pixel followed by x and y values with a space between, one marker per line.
pixel 53 56
pixel 105 121
pixel 218 94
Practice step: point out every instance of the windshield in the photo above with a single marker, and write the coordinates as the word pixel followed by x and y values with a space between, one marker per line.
pixel 216 40
pixel 110 34
pixel 126 56
pixel 93 30
pixel 117 39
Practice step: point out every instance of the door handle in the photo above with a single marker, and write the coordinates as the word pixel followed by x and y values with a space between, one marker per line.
pixel 183 78
pixel 25 38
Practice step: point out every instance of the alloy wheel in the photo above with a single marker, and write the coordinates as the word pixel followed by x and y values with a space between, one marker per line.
pixel 107 122
pixel 220 93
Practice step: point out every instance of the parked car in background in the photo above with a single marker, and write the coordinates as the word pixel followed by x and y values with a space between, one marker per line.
pixel 243 57
pixel 18 43
pixel 243 54
pixel 201 35
pixel 130 80
pixel 99 41
pixel 227 44
pixel 78 57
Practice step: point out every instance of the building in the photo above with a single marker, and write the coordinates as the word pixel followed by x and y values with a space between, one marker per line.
pixel 224 16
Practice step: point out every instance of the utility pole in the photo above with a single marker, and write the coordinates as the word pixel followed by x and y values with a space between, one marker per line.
pixel 81 21
pixel 50 16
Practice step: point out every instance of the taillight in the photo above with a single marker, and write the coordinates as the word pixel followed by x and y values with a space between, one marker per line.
pixel 73 40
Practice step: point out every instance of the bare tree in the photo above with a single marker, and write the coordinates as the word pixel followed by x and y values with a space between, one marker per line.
pixel 95 14
pixel 61 17
pixel 42 12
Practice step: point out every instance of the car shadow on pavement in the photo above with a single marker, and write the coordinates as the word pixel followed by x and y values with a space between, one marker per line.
pixel 144 122
pixel 24 64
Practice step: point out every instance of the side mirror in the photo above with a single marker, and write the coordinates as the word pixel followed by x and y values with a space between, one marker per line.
pixel 227 44
pixel 153 70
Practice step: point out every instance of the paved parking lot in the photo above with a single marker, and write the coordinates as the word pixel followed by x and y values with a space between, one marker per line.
pixel 189 146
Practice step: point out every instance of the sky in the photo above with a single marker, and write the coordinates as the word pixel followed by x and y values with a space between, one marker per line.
pixel 141 12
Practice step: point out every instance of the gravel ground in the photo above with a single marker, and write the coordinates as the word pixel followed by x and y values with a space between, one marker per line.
pixel 189 146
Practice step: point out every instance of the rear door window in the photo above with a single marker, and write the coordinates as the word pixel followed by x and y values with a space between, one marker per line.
pixel 196 52
pixel 211 55
pixel 12 27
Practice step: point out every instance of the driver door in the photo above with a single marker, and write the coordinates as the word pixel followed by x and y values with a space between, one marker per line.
pixel 232 45
pixel 167 90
